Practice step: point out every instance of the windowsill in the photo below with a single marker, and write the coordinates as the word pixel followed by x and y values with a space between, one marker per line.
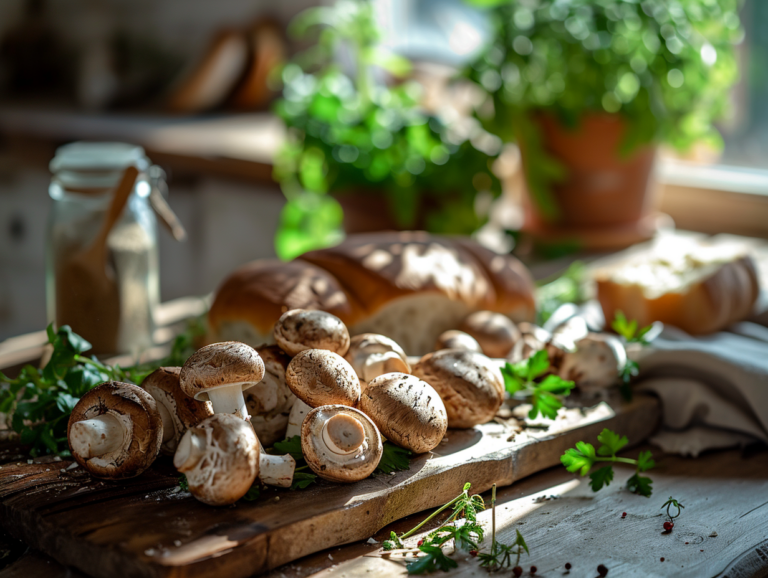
pixel 724 178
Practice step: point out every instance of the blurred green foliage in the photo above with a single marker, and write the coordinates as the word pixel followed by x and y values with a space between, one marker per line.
pixel 349 134
pixel 664 65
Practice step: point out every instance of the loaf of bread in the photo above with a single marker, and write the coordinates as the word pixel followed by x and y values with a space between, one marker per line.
pixel 698 287
pixel 409 286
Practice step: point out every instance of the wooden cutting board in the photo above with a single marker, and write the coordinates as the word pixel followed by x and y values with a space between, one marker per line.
pixel 149 527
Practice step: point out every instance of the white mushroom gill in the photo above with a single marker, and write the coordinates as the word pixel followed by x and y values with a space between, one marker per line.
pixel 298 412
pixel 96 437
pixel 377 364
pixel 276 470
pixel 344 435
pixel 169 424
pixel 190 450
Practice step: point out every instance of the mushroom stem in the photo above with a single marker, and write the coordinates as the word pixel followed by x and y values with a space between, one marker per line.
pixel 169 429
pixel 229 399
pixel 191 449
pixel 276 470
pixel 343 434
pixel 298 412
pixel 96 437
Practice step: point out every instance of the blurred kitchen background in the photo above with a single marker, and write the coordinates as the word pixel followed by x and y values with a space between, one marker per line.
pixel 195 83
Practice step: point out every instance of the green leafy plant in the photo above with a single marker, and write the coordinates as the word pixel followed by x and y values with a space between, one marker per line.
pixel 546 395
pixel 567 287
pixel 40 401
pixel 350 135
pixel 500 555
pixel 394 459
pixel 583 457
pixel 671 503
pixel 632 334
pixel 664 66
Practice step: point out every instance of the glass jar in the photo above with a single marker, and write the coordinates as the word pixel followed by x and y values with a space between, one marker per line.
pixel 84 176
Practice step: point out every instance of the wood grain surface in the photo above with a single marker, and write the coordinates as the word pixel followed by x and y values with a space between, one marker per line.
pixel 148 527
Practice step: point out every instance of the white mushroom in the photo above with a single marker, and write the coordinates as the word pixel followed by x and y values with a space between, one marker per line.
pixel 177 410
pixel 300 329
pixel 269 402
pixel 372 355
pixel 298 412
pixel 115 431
pixel 340 443
pixel 220 372
pixel 595 364
pixel 455 339
pixel 496 333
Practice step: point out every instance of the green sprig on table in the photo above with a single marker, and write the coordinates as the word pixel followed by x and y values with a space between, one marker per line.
pixel 583 457
pixel 546 395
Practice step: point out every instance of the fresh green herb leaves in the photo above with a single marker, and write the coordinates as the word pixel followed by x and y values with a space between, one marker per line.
pixel 629 330
pixel 568 287
pixel 500 555
pixel 183 483
pixel 672 503
pixel 252 494
pixel 394 459
pixel 583 457
pixel 434 560
pixel 544 395
pixel 291 446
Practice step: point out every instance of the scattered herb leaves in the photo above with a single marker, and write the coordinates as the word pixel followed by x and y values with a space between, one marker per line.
pixel 394 459
pixel 583 457
pixel 672 503
pixel 629 330
pixel 546 395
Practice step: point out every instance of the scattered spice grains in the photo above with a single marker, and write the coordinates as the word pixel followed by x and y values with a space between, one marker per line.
pixel 517 571
pixel 568 566
pixel 533 570
pixel 623 515
pixel 602 570
pixel 662 559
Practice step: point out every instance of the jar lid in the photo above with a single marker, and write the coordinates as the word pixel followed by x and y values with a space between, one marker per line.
pixel 98 156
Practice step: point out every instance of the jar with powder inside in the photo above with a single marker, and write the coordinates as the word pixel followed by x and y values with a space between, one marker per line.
pixel 84 178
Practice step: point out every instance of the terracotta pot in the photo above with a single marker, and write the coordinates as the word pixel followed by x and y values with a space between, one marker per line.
pixel 602 188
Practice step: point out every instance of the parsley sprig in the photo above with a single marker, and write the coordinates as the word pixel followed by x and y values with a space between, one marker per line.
pixel 500 555
pixel 545 395
pixel 41 400
pixel 672 503
pixel 632 334
pixel 582 458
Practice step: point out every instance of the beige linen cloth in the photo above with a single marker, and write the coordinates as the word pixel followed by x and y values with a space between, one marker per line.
pixel 713 389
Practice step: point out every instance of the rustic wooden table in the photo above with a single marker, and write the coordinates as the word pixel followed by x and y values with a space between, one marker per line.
pixel 723 530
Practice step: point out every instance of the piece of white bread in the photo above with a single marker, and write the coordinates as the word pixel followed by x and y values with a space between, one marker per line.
pixel 408 286
pixel 694 285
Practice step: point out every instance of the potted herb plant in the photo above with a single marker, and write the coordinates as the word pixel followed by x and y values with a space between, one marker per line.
pixel 589 89
pixel 362 155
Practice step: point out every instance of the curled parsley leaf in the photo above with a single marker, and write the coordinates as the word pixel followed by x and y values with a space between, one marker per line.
pixel 524 380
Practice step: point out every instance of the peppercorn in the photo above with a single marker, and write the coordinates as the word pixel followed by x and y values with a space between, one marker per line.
pixel 567 565
pixel 517 571
pixel 533 570
pixel 602 570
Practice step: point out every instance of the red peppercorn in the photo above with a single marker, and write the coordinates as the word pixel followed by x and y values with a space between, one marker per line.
pixel 473 553
pixel 662 558
pixel 623 514
pixel 420 542
pixel 668 526
pixel 533 570
pixel 567 565
pixel 602 570
pixel 517 571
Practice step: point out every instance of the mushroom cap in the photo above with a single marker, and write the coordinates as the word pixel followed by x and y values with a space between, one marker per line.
pixel 221 365
pixel 595 364
pixel 163 385
pixel 230 464
pixel 137 412
pixel 321 377
pixel 371 355
pixel 407 411
pixel 468 382
pixel 496 333
pixel 269 402
pixel 300 329
pixel 334 467
pixel 455 339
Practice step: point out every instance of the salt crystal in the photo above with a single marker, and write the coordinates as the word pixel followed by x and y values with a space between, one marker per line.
pixel 149 552
pixel 330 557
pixel 177 543
pixel 47 469
pixel 30 462
pixel 56 459
pixel 372 541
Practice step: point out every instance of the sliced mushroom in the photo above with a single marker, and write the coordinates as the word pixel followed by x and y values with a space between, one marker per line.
pixel 269 402
pixel 115 431
pixel 298 412
pixel 372 355
pixel 320 377
pixel 407 411
pixel 496 333
pixel 596 363
pixel 300 329
pixel 220 457
pixel 177 410
pixel 340 443
pixel 455 339
pixel 468 382
pixel 220 372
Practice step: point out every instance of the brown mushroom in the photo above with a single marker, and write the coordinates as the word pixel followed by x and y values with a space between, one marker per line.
pixel 115 431
pixel 269 402
pixel 177 410
pixel 407 411
pixel 300 329
pixel 340 443
pixel 372 355
pixel 455 339
pixel 496 333
pixel 220 372
pixel 596 362
pixel 320 377
pixel 468 382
